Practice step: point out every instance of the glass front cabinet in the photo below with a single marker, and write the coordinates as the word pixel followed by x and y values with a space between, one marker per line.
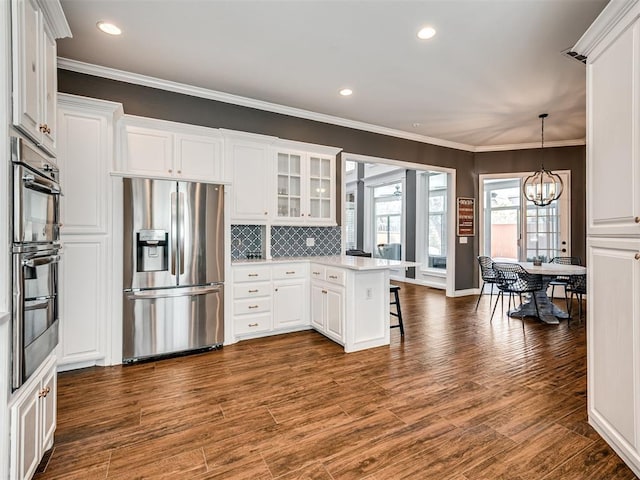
pixel 305 186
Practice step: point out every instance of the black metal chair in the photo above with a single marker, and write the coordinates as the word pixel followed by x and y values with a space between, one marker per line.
pixel 488 276
pixel 577 286
pixel 515 280
pixel 562 281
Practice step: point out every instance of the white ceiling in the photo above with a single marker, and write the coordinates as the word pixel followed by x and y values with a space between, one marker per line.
pixel 493 66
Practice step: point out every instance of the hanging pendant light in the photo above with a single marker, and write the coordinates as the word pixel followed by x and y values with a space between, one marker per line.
pixel 544 186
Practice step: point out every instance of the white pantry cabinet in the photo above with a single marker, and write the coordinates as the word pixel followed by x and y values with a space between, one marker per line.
pixel 611 46
pixel 161 149
pixel 33 420
pixel 86 147
pixel 35 26
pixel 248 167
pixel 305 191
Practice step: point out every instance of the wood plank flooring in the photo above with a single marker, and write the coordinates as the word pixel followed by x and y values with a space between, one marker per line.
pixel 458 398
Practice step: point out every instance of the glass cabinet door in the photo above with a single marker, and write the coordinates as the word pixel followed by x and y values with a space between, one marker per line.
pixel 289 185
pixel 319 187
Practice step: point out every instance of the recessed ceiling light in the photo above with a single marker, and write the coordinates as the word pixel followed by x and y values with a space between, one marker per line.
pixel 345 92
pixel 426 33
pixel 109 28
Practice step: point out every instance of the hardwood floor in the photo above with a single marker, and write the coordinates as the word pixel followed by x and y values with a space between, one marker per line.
pixel 458 398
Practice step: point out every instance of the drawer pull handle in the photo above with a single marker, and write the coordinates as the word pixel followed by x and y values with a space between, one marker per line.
pixel 252 325
pixel 333 276
pixel 254 291
pixel 290 273
pixel 252 275
pixel 316 273
pixel 253 306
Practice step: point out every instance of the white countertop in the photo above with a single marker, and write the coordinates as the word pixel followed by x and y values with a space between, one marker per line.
pixel 342 261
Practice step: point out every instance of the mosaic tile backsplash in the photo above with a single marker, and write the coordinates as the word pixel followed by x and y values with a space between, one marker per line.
pixel 246 240
pixel 292 241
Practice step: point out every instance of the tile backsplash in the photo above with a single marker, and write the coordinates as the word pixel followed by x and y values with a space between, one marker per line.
pixel 246 239
pixel 292 241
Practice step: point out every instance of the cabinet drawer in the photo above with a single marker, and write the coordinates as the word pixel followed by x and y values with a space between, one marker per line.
pixel 283 272
pixel 334 275
pixel 317 272
pixel 252 274
pixel 252 305
pixel 251 290
pixel 252 324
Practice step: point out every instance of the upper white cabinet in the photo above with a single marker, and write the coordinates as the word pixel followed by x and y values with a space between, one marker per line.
pixel 160 149
pixel 248 166
pixel 35 26
pixel 305 184
pixel 613 162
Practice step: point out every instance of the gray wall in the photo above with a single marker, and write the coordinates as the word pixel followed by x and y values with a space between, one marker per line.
pixel 155 103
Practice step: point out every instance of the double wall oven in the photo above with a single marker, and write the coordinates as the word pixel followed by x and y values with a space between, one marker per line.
pixel 35 258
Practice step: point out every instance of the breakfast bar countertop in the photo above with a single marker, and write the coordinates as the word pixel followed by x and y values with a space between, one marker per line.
pixel 342 261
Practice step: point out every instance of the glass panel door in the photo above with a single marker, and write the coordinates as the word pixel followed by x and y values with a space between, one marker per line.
pixel 319 187
pixel 387 212
pixel 502 219
pixel 289 183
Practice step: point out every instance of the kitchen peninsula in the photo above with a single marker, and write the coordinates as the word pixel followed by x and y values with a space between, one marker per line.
pixel 344 298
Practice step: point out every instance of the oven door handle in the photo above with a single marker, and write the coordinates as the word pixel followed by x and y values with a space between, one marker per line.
pixel 40 184
pixel 38 261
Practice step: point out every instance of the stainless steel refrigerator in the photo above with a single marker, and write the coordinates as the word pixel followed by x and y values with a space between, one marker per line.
pixel 173 267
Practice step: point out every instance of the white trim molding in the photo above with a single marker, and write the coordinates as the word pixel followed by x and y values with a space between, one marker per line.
pixel 608 19
pixel 54 16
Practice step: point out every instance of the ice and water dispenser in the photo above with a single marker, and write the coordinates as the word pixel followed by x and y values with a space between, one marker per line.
pixel 152 250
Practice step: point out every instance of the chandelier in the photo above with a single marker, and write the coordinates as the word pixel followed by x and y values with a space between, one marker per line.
pixel 543 186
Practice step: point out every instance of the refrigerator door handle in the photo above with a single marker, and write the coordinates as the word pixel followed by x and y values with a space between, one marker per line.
pixel 174 231
pixel 168 293
pixel 182 208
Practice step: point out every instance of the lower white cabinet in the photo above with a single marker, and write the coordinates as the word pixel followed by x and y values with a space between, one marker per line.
pixel 328 302
pixel 613 342
pixel 33 420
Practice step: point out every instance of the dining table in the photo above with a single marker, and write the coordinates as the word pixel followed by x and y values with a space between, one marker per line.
pixel 548 312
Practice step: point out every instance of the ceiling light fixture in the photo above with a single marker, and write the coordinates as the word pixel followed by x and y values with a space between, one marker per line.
pixel 109 28
pixel 543 186
pixel 426 33
pixel 345 92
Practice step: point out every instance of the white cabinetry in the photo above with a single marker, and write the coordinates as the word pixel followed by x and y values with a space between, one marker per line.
pixel 613 226
pixel 290 295
pixel 327 302
pixel 251 299
pixel 35 26
pixel 33 420
pixel 160 149
pixel 248 166
pixel 305 184
pixel 85 156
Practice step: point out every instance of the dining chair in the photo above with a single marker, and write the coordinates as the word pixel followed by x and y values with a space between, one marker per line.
pixel 563 280
pixel 488 277
pixel 515 280
pixel 577 286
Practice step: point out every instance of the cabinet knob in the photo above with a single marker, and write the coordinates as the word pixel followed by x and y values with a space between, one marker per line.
pixel 169 170
pixel 324 291
pixel 266 213
pixel 637 256
pixel 302 214
pixel 276 289
pixel 179 171
pixel 637 219
pixel 42 128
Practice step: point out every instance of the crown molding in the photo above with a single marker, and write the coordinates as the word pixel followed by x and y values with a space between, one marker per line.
pixel 608 19
pixel 91 104
pixel 147 81
pixel 55 19
pixel 526 146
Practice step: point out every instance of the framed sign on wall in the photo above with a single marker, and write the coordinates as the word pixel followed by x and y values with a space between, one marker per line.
pixel 466 217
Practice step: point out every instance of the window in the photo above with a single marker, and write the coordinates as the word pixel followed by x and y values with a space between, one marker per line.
pixel 350 221
pixel 434 226
pixel 388 220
